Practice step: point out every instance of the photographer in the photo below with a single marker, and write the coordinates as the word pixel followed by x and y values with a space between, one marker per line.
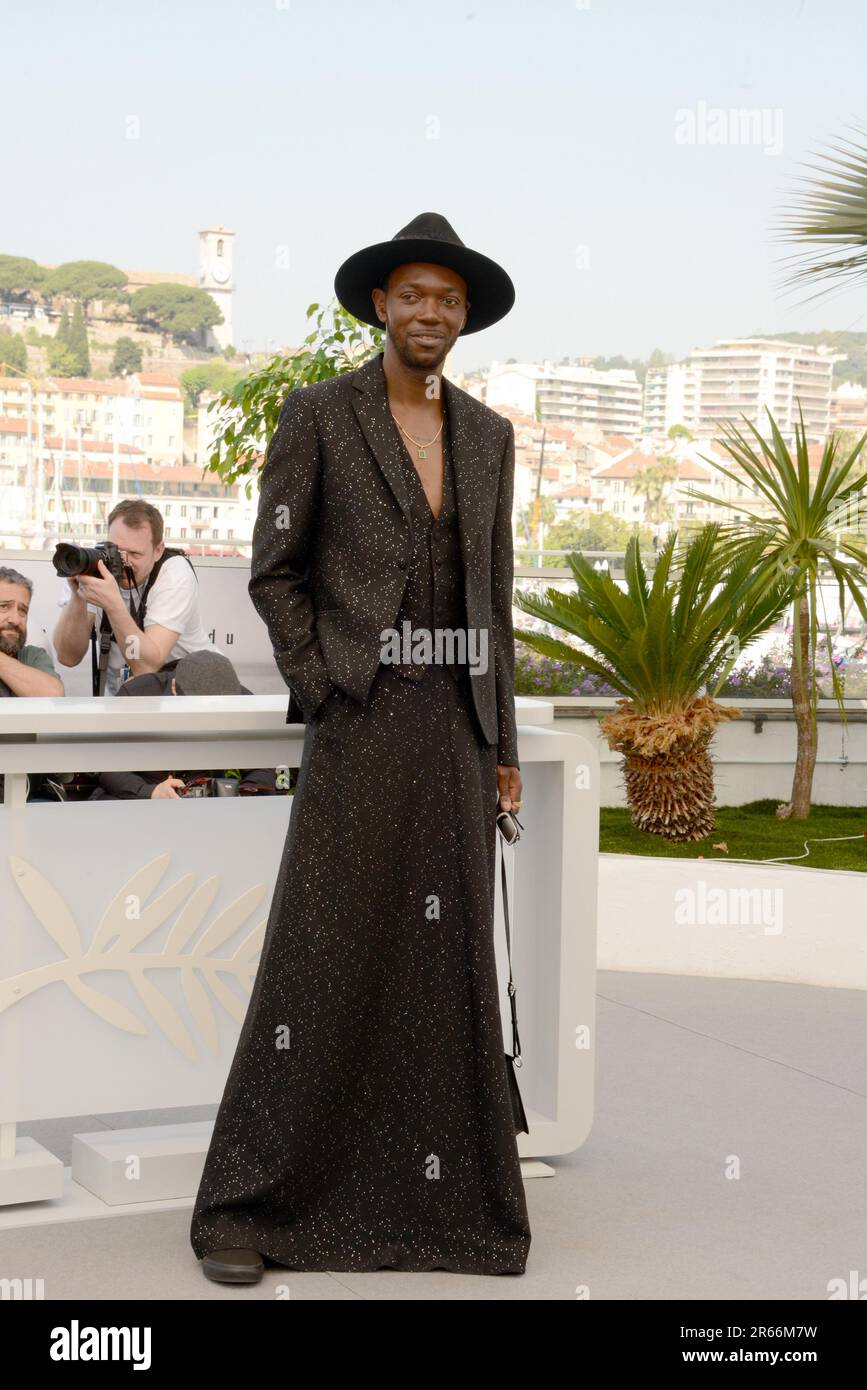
pixel 202 673
pixel 148 619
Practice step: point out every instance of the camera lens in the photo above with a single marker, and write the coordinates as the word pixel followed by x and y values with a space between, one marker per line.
pixel 70 560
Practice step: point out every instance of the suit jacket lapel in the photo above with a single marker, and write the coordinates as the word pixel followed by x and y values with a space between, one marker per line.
pixel 370 402
pixel 474 458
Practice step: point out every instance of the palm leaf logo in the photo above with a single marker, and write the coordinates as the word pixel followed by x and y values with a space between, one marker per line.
pixel 114 947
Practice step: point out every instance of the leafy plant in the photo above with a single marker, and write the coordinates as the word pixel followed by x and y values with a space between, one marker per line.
pixel 830 217
pixel 247 413
pixel 811 524
pixel 659 645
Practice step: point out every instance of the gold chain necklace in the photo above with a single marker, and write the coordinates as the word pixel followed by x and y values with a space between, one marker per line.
pixel 422 448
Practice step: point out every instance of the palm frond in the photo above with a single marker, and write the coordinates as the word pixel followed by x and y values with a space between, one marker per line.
pixel 829 219
pixel 663 641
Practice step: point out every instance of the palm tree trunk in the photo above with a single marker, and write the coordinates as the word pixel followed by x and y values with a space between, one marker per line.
pixel 798 808
pixel 672 796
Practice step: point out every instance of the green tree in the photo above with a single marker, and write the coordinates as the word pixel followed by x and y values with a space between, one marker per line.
pixel 62 361
pixel 585 531
pixel 13 352
pixel 181 312
pixel 78 345
pixel 622 364
pixel 20 277
pixel 126 357
pixel 86 281
pixel 651 483
pixel 62 335
pixel 658 358
pixel 816 523
pixel 209 376
pixel 247 414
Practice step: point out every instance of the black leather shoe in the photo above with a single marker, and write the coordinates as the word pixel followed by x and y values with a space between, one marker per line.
pixel 234 1266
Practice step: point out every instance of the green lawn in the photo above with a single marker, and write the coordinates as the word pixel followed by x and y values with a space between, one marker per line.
pixel 751 832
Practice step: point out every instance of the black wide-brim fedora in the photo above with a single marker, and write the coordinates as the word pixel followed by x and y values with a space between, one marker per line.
pixel 430 238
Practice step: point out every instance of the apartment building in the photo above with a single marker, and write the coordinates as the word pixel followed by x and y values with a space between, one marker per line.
pixel 849 407
pixel 742 377
pixel 144 410
pixel 68 495
pixel 669 398
pixel 750 376
pixel 566 395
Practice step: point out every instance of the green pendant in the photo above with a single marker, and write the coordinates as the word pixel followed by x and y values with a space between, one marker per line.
pixel 422 453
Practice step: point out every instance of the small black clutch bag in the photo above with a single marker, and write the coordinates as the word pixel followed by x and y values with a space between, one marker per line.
pixel 510 828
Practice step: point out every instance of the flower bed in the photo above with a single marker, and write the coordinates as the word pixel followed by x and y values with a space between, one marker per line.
pixel 765 675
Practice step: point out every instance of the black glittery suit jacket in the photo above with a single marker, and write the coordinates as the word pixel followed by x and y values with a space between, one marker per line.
pixel 332 539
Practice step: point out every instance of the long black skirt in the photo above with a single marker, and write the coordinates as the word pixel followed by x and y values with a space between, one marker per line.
pixel 366 1121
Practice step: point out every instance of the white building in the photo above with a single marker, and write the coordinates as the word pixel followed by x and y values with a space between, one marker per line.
pixel 669 398
pixel 60 493
pixel 752 375
pixel 849 407
pixel 216 275
pixel 513 385
pixel 144 410
pixel 566 395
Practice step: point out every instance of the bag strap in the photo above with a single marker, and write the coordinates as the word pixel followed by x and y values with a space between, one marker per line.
pixel 170 551
pixel 516 1042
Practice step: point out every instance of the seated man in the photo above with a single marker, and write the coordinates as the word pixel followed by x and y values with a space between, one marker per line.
pixel 24 670
pixel 201 673
pixel 154 618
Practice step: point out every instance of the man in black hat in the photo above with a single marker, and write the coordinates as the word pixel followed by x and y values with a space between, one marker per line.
pixel 368 1120
pixel 426 306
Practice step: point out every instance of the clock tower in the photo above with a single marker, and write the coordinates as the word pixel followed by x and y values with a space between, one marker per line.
pixel 217 277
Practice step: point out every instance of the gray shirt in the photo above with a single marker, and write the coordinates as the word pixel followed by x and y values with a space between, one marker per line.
pixel 31 656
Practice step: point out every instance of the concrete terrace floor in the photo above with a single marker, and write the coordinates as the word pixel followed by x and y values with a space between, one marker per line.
pixel 690 1072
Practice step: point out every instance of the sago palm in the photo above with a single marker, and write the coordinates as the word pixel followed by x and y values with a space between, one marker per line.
pixel 660 643
pixel 809 524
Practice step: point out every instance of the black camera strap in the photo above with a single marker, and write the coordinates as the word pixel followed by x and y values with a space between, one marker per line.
pixel 99 664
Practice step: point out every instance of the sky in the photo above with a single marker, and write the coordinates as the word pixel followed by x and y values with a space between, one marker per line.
pixel 568 141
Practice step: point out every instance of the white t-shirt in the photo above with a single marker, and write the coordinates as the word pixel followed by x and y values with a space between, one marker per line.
pixel 173 602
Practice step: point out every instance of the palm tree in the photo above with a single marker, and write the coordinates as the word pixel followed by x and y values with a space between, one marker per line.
pixel 830 217
pixel 651 483
pixel 813 525
pixel 660 644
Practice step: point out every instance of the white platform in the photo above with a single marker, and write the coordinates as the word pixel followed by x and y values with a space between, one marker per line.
pixel 74 1202
pixel 32 1175
pixel 131 933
